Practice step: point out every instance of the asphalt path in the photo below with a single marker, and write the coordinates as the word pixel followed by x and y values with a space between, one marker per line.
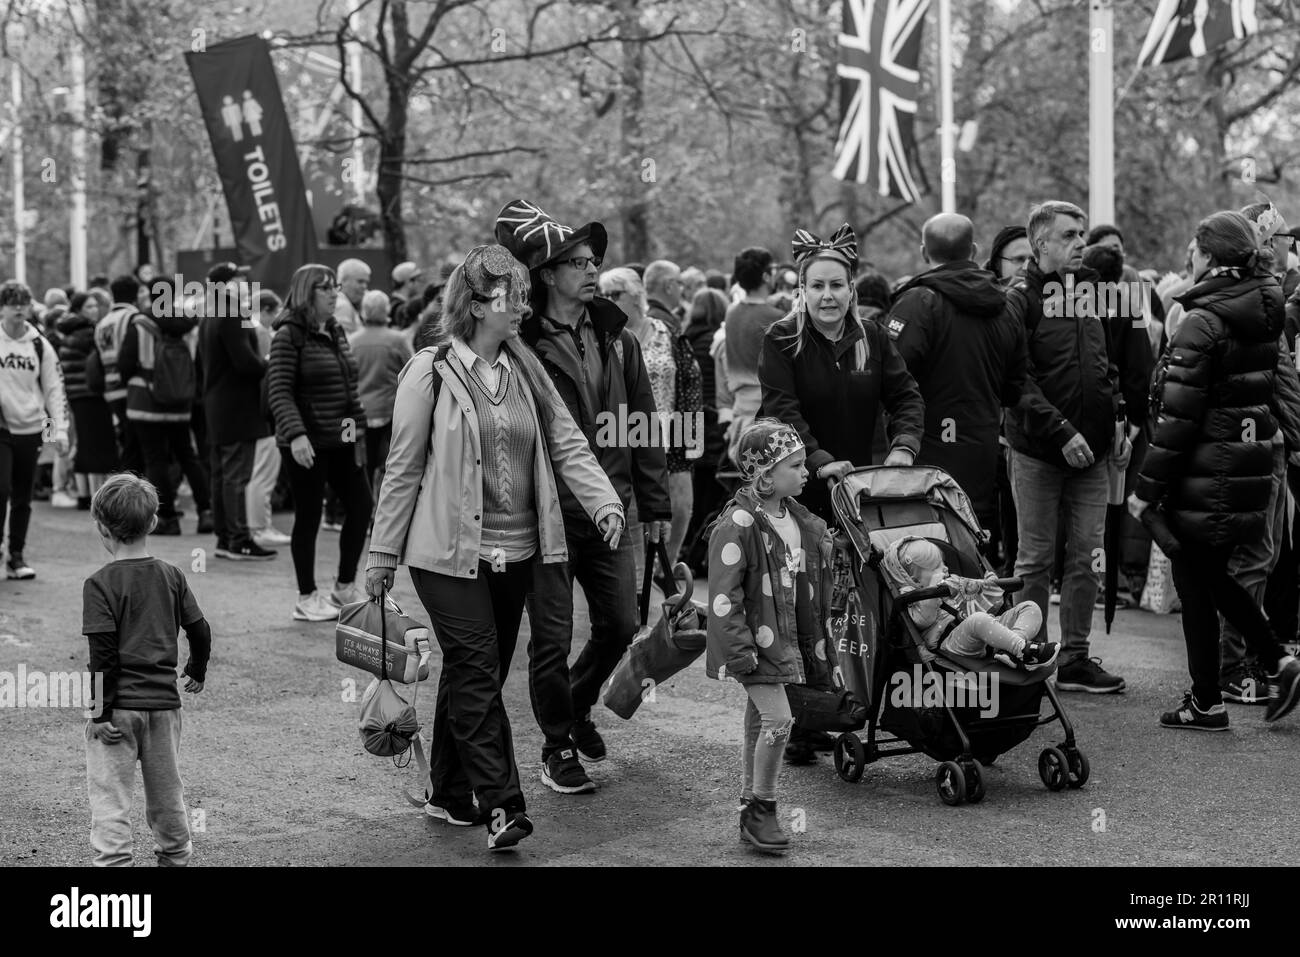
pixel 275 772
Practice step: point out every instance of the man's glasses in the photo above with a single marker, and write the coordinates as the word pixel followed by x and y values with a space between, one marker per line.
pixel 580 263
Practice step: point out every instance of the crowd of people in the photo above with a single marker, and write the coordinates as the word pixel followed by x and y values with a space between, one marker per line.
pixel 534 417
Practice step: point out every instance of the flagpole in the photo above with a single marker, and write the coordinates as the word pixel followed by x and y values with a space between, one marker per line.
pixel 78 270
pixel 1101 112
pixel 947 164
pixel 15 38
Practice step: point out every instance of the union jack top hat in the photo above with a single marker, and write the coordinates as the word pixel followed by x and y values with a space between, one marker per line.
pixel 535 239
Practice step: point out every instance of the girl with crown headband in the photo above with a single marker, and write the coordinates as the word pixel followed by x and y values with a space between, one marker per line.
pixel 769 595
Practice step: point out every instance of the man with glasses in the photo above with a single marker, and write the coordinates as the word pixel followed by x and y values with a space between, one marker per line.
pixel 596 366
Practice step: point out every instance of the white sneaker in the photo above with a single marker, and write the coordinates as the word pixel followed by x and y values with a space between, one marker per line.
pixel 346 594
pixel 63 500
pixel 271 538
pixel 314 608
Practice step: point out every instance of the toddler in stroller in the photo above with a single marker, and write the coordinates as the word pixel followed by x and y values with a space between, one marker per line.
pixel 970 630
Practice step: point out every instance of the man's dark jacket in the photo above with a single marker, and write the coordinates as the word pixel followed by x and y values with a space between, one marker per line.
pixel 641 471
pixel 1071 387
pixel 230 380
pixel 967 354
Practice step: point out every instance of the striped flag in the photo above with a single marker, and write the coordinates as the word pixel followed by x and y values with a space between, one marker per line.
pixel 1189 28
pixel 880 49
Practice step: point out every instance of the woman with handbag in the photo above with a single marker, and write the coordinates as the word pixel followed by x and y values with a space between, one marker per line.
pixel 1210 465
pixel 320 425
pixel 469 501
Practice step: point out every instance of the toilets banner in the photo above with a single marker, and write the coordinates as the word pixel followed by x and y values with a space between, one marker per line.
pixel 256 158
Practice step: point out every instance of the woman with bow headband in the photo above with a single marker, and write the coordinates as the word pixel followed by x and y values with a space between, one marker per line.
pixel 827 373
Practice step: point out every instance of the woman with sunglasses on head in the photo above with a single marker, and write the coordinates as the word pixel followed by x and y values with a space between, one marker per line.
pixel 320 428
pixel 469 501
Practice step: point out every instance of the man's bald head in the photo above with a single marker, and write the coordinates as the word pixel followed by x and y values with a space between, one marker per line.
pixel 948 237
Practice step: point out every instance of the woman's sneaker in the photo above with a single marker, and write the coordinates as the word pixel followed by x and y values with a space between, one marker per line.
pixel 1189 716
pixel 314 608
pixel 1245 686
pixel 345 594
pixel 1087 674
pixel 563 772
pixel 505 832
pixel 459 813
pixel 590 745
pixel 18 570
pixel 62 499
pixel 1283 690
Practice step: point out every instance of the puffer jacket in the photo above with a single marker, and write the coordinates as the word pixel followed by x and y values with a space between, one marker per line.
pixel 312 385
pixel 77 339
pixel 767 626
pixel 1211 458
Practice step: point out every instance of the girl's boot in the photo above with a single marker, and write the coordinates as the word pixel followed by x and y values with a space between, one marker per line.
pixel 760 827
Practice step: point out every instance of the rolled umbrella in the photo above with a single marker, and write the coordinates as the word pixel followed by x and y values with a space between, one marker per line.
pixel 1114 521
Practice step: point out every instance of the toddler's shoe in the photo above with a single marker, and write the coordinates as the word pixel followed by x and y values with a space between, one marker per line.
pixel 1039 654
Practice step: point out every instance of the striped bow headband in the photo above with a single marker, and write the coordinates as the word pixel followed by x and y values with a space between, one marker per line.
pixel 843 244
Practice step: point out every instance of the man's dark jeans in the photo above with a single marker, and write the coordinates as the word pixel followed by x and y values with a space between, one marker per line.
pixel 608 582
pixel 232 470
pixel 161 442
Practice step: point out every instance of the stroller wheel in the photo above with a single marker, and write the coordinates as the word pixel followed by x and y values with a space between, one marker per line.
pixel 951 782
pixel 974 781
pixel 850 757
pixel 1079 769
pixel 1054 769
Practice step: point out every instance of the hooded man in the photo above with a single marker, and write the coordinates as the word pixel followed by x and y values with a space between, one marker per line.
pixel 966 354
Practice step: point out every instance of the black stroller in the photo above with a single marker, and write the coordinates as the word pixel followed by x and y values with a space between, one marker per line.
pixel 875 642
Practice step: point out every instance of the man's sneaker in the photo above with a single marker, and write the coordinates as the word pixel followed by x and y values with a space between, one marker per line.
pixel 314 608
pixel 563 772
pixel 62 499
pixel 248 552
pixel 459 813
pixel 271 537
pixel 1039 654
pixel 590 745
pixel 222 550
pixel 205 522
pixel 168 526
pixel 1189 716
pixel 1087 674
pixel 1245 686
pixel 1283 690
pixel 18 570
pixel 348 594
pixel 508 832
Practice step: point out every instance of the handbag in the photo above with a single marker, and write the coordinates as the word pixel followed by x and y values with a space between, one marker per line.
pixel 388 721
pixel 1159 594
pixel 677 639
pixel 362 630
pixel 815 710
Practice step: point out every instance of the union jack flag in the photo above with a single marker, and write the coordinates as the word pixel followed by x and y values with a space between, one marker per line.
pixel 1189 28
pixel 880 50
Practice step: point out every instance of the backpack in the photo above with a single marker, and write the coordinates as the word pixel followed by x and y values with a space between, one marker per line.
pixel 174 382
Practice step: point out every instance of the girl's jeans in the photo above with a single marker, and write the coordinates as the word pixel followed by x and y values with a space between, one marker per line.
pixel 1008 632
pixel 767 725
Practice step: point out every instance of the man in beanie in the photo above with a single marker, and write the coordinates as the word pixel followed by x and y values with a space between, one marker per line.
pixel 597 367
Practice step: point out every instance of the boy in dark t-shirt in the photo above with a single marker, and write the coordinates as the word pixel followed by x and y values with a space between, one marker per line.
pixel 132 611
